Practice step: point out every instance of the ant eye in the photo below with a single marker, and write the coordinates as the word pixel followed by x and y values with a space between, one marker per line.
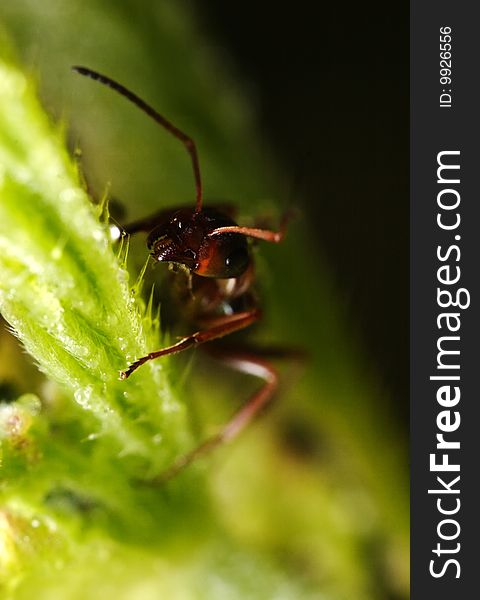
pixel 237 260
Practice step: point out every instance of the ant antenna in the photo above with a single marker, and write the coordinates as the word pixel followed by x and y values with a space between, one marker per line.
pixel 157 117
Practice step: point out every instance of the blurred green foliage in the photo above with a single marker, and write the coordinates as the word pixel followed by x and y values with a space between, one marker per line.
pixel 312 501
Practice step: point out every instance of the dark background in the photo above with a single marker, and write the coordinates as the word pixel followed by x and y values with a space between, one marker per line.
pixel 332 85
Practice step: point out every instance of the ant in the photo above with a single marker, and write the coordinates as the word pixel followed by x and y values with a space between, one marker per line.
pixel 211 250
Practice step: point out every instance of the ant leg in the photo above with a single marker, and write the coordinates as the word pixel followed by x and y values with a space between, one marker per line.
pixel 148 223
pixel 223 326
pixel 245 363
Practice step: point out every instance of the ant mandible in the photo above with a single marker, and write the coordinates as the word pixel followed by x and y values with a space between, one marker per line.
pixel 212 249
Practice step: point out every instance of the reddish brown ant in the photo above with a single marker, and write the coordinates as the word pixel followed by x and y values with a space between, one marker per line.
pixel 212 249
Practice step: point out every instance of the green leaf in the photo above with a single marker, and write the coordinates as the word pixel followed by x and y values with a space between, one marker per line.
pixel 63 290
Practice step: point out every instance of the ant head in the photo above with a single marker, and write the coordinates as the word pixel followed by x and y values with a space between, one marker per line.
pixel 223 256
pixel 184 238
